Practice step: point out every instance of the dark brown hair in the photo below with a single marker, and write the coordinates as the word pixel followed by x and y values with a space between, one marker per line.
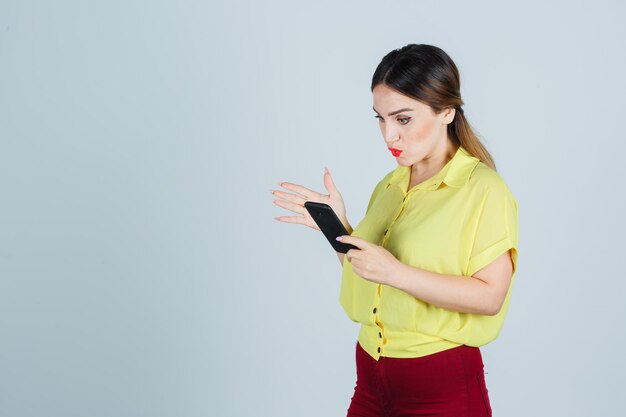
pixel 427 74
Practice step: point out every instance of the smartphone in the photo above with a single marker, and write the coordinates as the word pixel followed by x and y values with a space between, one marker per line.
pixel 329 224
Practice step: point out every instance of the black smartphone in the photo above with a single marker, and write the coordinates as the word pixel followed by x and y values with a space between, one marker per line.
pixel 329 224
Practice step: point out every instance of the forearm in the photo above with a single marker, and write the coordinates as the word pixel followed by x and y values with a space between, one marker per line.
pixel 452 292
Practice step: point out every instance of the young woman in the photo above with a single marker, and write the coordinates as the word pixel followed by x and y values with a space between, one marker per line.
pixel 432 276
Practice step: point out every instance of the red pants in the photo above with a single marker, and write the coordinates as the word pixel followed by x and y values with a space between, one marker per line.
pixel 448 383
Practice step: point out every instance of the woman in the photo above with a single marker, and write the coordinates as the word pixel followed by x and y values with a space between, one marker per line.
pixel 431 279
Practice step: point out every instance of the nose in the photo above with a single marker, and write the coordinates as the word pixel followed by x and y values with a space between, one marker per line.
pixel 391 136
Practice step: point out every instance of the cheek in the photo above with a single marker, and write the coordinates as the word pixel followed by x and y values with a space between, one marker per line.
pixel 423 132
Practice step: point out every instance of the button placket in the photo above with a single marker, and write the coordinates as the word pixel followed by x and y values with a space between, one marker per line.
pixel 374 311
pixel 386 233
pixel 381 338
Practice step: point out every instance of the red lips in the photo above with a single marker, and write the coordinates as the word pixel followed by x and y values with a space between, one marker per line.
pixel 395 152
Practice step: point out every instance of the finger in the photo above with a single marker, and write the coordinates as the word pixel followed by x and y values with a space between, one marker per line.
pixel 350 255
pixel 354 240
pixel 291 219
pixel 296 208
pixel 354 256
pixel 329 183
pixel 303 191
pixel 290 197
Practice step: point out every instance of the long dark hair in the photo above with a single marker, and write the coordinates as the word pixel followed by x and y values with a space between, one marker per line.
pixel 427 74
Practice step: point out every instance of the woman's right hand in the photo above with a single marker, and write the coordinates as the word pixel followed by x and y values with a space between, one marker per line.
pixel 295 202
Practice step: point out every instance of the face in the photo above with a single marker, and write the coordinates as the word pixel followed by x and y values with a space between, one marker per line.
pixel 415 133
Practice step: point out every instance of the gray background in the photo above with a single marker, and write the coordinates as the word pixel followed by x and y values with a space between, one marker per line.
pixel 141 270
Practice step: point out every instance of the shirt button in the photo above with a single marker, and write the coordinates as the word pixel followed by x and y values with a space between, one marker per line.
pixel 380 335
pixel 378 350
pixel 374 311
pixel 386 231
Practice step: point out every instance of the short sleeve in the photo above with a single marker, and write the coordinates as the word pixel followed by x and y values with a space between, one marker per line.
pixel 496 228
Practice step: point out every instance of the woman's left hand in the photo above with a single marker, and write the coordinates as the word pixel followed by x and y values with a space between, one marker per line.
pixel 371 262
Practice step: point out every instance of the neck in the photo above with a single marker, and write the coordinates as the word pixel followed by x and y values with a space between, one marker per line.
pixel 433 163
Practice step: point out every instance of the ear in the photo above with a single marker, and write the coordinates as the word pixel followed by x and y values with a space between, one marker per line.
pixel 448 115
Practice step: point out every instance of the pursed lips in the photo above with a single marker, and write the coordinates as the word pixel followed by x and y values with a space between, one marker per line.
pixel 395 152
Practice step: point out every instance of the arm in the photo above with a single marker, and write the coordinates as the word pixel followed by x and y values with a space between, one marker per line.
pixel 482 293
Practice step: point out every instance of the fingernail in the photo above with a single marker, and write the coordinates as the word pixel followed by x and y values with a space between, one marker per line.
pixel 339 238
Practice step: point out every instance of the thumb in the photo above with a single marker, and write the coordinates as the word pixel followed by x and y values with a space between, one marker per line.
pixel 329 183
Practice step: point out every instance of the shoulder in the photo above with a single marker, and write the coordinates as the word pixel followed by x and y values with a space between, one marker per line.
pixel 380 186
pixel 385 179
pixel 485 180
pixel 388 176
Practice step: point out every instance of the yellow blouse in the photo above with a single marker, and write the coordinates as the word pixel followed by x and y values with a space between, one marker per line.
pixel 456 223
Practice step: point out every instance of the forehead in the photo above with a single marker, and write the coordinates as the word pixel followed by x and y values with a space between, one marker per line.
pixel 386 99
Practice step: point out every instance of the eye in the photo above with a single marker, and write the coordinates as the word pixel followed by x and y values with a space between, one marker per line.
pixel 402 120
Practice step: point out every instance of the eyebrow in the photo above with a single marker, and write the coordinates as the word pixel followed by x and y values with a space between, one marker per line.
pixel 394 112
